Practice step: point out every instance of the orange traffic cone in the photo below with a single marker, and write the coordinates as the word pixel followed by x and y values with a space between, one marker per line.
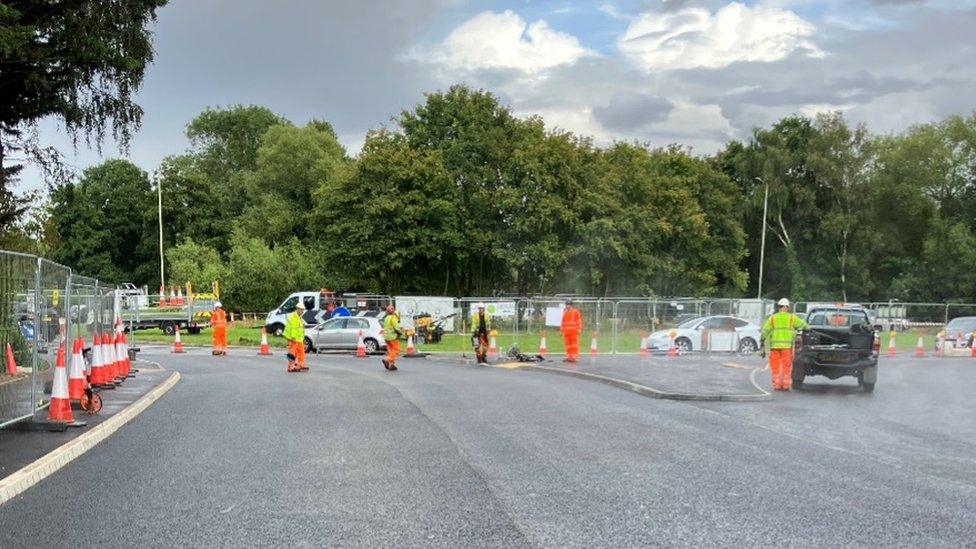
pixel 410 348
pixel 264 342
pixel 125 355
pixel 593 350
pixel 177 344
pixel 542 345
pixel 361 346
pixel 76 373
pixel 110 361
pixel 172 295
pixel 60 408
pixel 891 344
pixel 643 345
pixel 972 350
pixel 179 295
pixel 919 348
pixel 97 368
pixel 120 356
pixel 672 348
pixel 162 296
pixel 11 363
pixel 492 346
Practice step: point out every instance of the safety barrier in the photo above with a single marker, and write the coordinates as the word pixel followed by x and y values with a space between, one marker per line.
pixel 44 308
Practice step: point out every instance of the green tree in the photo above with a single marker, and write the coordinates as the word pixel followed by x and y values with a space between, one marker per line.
pixel 101 222
pixel 80 61
pixel 195 263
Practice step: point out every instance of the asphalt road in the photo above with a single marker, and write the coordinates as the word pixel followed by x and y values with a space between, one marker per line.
pixel 242 454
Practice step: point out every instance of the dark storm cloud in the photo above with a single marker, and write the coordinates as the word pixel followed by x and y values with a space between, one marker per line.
pixel 630 112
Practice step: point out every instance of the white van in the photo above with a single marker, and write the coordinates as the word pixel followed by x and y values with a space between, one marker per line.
pixel 345 305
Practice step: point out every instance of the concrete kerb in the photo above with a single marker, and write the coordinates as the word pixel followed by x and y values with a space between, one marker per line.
pixel 31 474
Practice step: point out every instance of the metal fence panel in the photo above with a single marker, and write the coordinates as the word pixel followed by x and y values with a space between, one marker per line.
pixel 18 335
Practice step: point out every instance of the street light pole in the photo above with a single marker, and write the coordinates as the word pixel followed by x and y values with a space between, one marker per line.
pixel 162 272
pixel 762 245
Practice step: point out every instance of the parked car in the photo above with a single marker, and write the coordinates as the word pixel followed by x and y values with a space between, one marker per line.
pixel 956 339
pixel 726 333
pixel 841 341
pixel 343 333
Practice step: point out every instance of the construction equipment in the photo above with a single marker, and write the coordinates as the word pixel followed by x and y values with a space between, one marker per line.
pixel 429 330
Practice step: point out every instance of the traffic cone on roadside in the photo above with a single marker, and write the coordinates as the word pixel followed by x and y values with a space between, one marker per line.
pixel 97 376
pixel 162 296
pixel 125 351
pixel 410 348
pixel 177 344
pixel 11 363
pixel 492 346
pixel 919 348
pixel 672 348
pixel 265 350
pixel 643 345
pixel 891 344
pixel 593 349
pixel 972 349
pixel 542 345
pixel 123 364
pixel 60 407
pixel 111 362
pixel 361 346
pixel 76 373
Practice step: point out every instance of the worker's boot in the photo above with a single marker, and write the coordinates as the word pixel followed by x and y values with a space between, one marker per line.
pixel 386 364
pixel 393 367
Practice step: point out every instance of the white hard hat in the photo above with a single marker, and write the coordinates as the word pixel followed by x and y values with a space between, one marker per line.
pixel 783 302
pixel 481 305
pixel 217 304
pixel 300 305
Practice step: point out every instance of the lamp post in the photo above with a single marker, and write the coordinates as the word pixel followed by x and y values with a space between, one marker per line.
pixel 762 245
pixel 159 194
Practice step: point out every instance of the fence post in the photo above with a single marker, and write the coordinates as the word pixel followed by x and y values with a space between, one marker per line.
pixel 67 311
pixel 37 333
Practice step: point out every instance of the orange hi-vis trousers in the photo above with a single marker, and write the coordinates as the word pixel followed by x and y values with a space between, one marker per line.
pixel 297 350
pixel 392 351
pixel 571 341
pixel 220 338
pixel 781 367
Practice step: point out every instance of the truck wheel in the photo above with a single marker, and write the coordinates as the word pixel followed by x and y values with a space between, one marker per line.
pixel 277 329
pixel 168 328
pixel 747 346
pixel 866 386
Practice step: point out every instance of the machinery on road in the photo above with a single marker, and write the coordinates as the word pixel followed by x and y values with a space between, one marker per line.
pixel 840 342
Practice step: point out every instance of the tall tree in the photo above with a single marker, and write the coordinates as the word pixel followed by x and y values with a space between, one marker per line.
pixel 80 61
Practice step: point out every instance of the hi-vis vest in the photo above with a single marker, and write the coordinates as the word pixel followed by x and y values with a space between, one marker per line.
pixel 780 329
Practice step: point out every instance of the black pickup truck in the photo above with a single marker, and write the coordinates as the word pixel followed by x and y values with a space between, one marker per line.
pixel 839 342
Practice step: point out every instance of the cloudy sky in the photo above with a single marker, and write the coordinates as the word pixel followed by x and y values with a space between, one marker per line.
pixel 661 71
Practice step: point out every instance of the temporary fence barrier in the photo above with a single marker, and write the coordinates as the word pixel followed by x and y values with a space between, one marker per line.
pixel 43 306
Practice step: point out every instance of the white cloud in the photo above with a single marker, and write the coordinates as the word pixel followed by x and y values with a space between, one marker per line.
pixel 504 40
pixel 694 37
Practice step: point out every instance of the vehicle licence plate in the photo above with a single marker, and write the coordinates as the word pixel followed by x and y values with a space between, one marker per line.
pixel 834 357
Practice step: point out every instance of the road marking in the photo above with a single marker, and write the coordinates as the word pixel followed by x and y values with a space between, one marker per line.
pixel 43 467
pixel 509 365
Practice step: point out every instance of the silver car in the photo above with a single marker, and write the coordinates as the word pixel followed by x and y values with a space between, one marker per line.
pixel 343 333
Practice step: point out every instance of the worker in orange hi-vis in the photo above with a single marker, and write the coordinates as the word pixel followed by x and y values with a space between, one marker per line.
pixel 218 321
pixel 571 327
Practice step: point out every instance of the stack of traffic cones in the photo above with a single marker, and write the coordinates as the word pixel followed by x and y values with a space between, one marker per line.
pixel 172 296
pixel 162 296
pixel 492 345
pixel 76 372
pixel 410 348
pixel 542 345
pixel 643 345
pixel 125 351
pixel 265 350
pixel 920 348
pixel 99 375
pixel 177 344
pixel 179 295
pixel 593 349
pixel 60 408
pixel 891 344
pixel 361 346
pixel 672 348
pixel 11 363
